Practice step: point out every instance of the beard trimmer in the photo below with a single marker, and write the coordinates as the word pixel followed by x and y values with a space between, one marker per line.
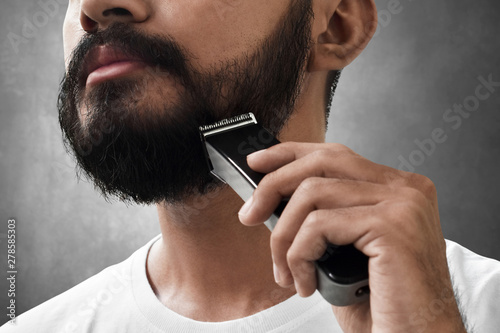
pixel 342 272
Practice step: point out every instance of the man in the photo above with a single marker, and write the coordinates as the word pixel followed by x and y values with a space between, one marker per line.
pixel 143 75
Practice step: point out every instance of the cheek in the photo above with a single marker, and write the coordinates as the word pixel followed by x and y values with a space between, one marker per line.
pixel 72 33
pixel 217 30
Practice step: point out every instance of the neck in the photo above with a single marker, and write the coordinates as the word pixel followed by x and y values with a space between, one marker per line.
pixel 207 265
pixel 210 267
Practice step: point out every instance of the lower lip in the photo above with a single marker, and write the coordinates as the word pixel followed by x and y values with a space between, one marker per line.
pixel 114 71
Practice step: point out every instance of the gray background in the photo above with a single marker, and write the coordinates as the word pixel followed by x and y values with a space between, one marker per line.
pixel 424 60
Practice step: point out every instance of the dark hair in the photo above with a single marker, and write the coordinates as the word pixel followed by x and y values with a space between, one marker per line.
pixel 332 80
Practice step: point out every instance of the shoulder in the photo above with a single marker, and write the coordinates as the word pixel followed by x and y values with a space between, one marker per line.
pixel 466 265
pixel 79 307
pixel 476 281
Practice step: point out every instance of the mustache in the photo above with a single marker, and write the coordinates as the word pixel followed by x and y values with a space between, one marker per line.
pixel 159 52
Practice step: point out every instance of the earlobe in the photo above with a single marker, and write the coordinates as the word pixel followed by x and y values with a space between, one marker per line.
pixel 350 27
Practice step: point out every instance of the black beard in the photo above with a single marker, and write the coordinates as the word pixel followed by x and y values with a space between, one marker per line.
pixel 148 150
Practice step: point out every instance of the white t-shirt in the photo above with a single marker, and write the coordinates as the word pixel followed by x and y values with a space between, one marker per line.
pixel 120 299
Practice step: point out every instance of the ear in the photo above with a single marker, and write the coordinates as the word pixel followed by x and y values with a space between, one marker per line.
pixel 341 36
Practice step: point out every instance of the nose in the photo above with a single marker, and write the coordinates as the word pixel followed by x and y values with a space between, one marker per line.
pixel 98 14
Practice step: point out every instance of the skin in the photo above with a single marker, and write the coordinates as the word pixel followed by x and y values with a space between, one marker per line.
pixel 336 195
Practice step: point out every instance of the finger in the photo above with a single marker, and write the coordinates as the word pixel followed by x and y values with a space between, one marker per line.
pixel 332 194
pixel 283 182
pixel 275 157
pixel 339 226
pixel 341 161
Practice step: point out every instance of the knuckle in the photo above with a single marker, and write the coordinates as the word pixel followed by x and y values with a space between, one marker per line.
pixel 308 186
pixel 319 249
pixel 278 241
pixel 339 147
pixel 411 179
pixel 298 265
pixel 427 187
pixel 321 160
pixel 422 183
pixel 293 259
pixel 300 268
pixel 381 219
pixel 320 154
pixel 317 157
pixel 268 182
pixel 395 177
pixel 313 220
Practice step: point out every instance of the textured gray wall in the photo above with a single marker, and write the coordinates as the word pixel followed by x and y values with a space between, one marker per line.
pixel 426 57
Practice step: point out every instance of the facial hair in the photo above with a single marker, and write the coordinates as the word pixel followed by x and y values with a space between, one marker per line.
pixel 137 142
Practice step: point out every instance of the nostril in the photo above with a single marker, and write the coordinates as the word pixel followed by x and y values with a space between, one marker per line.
pixel 88 24
pixel 117 12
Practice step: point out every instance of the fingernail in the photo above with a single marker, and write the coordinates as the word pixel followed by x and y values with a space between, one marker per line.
pixel 256 154
pixel 246 207
pixel 276 273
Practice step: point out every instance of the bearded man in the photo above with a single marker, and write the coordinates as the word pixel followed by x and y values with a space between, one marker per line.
pixel 143 75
